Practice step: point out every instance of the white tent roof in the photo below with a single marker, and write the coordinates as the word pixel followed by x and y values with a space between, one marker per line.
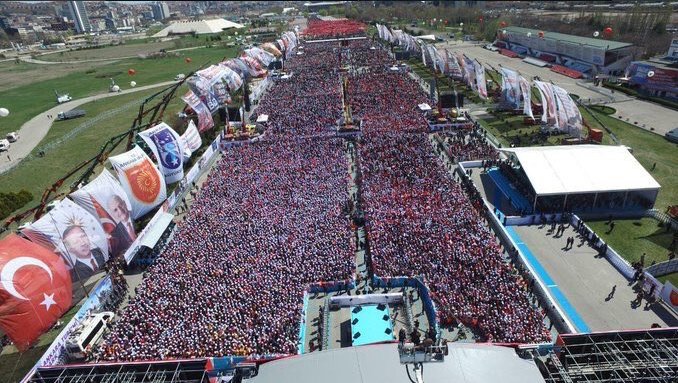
pixel 583 169
pixel 466 363
pixel 200 27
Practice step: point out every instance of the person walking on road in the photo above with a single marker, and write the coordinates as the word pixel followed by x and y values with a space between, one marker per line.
pixel 611 294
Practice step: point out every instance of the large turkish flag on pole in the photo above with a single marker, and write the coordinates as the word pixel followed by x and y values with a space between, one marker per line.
pixel 35 290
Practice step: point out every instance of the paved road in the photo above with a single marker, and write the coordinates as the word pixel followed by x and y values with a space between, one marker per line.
pixel 648 115
pixel 586 281
pixel 33 131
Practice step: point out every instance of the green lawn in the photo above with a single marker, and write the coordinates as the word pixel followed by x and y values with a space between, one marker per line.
pixel 36 173
pixel 26 101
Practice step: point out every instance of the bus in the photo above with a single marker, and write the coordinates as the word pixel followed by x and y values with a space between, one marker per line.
pixel 87 334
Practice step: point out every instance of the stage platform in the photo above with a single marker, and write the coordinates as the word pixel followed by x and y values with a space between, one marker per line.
pixel 371 324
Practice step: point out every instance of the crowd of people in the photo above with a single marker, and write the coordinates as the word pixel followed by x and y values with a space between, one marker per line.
pixel 270 219
pixel 273 217
pixel 466 145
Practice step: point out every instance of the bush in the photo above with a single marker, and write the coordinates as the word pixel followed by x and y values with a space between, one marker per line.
pixel 10 202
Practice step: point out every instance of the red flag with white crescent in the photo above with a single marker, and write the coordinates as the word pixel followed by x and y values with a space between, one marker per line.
pixel 35 290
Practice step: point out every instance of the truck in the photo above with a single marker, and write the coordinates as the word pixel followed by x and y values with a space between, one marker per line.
pixel 61 98
pixel 74 113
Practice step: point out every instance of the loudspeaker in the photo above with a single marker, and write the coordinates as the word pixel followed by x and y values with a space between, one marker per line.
pixel 275 65
pixel 448 100
pixel 233 113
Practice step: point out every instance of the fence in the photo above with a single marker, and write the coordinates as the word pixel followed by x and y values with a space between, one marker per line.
pixel 663 218
pixel 663 268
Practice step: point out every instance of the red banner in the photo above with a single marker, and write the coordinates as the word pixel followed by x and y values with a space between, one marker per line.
pixel 35 290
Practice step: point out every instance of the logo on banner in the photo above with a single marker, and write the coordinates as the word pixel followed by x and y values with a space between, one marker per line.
pixel 169 150
pixel 144 181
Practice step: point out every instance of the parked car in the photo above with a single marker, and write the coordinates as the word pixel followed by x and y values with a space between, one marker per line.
pixel 672 135
pixel 12 136
pixel 4 145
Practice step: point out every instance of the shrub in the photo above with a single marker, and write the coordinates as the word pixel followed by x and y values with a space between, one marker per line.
pixel 10 202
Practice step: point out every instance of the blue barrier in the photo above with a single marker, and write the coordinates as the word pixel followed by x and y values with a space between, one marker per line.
pixel 509 191
pixel 551 285
pixel 302 326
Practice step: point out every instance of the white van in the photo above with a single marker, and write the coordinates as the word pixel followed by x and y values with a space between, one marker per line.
pixel 179 77
pixel 4 145
pixel 12 136
pixel 87 335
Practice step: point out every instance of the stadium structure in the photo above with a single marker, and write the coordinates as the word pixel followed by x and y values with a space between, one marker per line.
pixel 360 277
pixel 585 56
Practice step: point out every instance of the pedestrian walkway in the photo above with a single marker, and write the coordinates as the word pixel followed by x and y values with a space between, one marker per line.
pixel 584 281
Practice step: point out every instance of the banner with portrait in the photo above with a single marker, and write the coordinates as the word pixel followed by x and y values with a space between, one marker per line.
pixel 272 49
pixel 470 73
pixel 106 200
pixel 142 181
pixel 205 120
pixel 164 142
pixel 510 87
pixel 567 110
pixel 260 55
pixel 74 234
pixel 548 102
pixel 480 79
pixel 527 96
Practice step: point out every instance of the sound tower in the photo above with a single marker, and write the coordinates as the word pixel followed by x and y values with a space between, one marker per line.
pixel 448 100
pixel 233 114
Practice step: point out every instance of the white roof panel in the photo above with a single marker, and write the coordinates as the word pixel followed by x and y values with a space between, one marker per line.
pixel 583 169
pixel 466 363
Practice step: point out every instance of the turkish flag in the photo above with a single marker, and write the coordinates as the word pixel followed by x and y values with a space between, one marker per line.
pixel 35 290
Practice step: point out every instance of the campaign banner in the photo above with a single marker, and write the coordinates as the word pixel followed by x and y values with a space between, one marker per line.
pixel 36 290
pixel 165 144
pixel 142 181
pixel 510 87
pixel 572 113
pixel 669 294
pixel 527 96
pixel 548 102
pixel 202 88
pixel 213 86
pixel 231 78
pixel 105 199
pixel 453 67
pixel 480 79
pixel 462 65
pixel 73 233
pixel 260 55
pixel 471 73
pixel 272 49
pixel 205 120
pixel 190 140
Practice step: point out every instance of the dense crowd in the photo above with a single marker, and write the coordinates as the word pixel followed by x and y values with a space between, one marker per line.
pixel 466 145
pixel 270 219
pixel 421 223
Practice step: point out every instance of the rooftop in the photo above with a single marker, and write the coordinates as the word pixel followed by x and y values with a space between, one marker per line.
pixel 200 27
pixel 572 39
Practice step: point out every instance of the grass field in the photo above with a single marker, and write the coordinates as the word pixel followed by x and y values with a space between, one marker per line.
pixel 36 173
pixel 26 101
pixel 113 52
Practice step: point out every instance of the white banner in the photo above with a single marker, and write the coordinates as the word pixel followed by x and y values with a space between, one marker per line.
pixel 510 88
pixel 165 144
pixel 141 180
pixel 573 121
pixel 105 199
pixel 480 79
pixel 548 102
pixel 368 299
pixel 190 140
pixel 453 65
pixel 73 233
pixel 527 96
pixel 260 55
pixel 471 73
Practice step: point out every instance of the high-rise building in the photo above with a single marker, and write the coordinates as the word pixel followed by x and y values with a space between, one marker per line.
pixel 79 15
pixel 160 10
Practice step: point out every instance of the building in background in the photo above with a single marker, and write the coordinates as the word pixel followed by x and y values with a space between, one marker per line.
pixel 654 78
pixel 673 50
pixel 160 10
pixel 587 55
pixel 79 16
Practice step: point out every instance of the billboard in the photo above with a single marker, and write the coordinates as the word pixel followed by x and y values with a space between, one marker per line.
pixel 105 199
pixel 73 233
pixel 141 180
pixel 165 144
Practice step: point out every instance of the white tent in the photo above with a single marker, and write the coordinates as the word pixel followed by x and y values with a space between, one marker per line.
pixel 554 170
pixel 200 27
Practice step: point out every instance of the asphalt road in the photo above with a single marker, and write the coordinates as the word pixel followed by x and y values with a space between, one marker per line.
pixel 645 115
pixel 33 131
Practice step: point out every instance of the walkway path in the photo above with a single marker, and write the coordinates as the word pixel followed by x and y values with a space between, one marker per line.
pixel 28 59
pixel 586 281
pixel 33 131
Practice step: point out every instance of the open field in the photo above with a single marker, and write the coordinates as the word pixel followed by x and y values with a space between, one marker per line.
pixel 37 173
pixel 13 74
pixel 26 101
pixel 113 52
